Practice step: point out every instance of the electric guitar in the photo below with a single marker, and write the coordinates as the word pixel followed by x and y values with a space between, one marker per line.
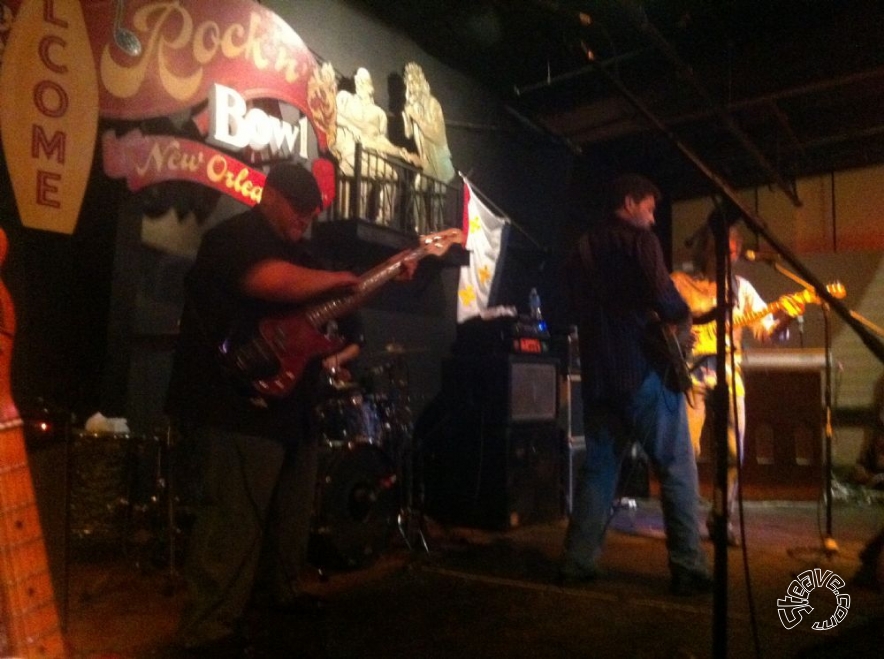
pixel 29 625
pixel 705 342
pixel 272 359
pixel 663 341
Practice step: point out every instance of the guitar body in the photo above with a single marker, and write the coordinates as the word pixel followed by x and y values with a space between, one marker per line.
pixel 296 343
pixel 29 627
pixel 664 342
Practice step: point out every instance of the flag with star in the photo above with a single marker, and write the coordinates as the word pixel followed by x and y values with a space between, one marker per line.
pixel 486 233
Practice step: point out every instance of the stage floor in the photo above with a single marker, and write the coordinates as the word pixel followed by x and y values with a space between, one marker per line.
pixel 480 593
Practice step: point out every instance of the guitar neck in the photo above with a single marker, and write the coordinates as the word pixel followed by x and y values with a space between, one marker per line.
pixel 369 283
pixel 753 316
pixel 803 297
pixel 29 624
pixel 32 627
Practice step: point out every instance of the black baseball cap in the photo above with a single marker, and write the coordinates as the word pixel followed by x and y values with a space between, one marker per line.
pixel 296 184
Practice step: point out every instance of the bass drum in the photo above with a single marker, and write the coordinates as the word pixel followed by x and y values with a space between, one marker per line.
pixel 356 506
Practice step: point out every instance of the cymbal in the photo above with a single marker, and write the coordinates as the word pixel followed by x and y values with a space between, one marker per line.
pixel 395 350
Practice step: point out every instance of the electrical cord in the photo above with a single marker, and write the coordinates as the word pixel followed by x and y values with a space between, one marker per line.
pixel 739 449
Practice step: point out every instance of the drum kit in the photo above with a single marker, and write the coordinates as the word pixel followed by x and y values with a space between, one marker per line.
pixel 366 484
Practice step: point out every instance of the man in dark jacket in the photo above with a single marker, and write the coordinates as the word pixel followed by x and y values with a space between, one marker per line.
pixel 621 292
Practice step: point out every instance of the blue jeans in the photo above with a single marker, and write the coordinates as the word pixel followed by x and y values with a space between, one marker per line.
pixel 656 418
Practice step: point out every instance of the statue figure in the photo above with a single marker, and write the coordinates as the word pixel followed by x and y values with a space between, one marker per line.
pixel 425 123
pixel 361 121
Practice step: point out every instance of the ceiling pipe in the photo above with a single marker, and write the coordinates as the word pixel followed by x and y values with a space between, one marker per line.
pixel 637 14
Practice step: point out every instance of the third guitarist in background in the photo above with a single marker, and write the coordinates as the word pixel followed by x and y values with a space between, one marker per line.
pixel 700 292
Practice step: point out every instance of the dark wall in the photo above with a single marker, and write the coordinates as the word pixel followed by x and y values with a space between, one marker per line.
pixel 61 289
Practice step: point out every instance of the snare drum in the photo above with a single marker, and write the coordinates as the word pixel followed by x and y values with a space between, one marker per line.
pixel 356 506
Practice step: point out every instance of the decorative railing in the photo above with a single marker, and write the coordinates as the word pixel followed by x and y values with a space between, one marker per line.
pixel 391 193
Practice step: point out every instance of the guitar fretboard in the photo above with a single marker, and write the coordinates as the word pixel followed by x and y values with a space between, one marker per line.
pixel 370 282
pixel 32 628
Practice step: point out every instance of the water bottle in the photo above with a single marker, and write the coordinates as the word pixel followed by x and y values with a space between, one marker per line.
pixel 534 306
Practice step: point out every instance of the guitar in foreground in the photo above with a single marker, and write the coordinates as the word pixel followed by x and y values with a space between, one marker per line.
pixel 29 626
pixel 273 358
pixel 705 342
pixel 663 341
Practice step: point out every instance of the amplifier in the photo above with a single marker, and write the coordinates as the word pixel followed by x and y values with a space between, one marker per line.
pixel 503 335
pixel 504 389
pixel 493 477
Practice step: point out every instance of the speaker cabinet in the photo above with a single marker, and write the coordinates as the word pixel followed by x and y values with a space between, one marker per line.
pixel 495 477
pixel 504 389
pixel 784 432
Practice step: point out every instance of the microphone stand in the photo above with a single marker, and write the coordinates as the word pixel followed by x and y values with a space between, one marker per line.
pixel 721 405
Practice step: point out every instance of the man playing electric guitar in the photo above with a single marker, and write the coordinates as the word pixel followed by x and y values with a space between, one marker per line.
pixel 700 292
pixel 245 443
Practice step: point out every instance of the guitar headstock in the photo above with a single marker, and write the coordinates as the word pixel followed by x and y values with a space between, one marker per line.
pixel 439 242
pixel 836 289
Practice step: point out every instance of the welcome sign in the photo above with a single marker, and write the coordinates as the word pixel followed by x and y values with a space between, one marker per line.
pixel 188 49
pixel 48 112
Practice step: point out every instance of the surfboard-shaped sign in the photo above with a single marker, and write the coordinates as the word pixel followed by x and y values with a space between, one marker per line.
pixel 49 112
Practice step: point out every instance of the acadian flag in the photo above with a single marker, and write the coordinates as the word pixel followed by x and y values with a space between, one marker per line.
pixel 486 239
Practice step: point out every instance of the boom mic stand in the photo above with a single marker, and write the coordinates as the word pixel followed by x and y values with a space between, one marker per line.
pixel 721 405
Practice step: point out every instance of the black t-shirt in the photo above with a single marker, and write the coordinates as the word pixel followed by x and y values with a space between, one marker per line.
pixel 203 389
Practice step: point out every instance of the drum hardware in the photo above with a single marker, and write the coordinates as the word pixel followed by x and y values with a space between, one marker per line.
pixel 123 489
pixel 103 498
pixel 166 500
pixel 367 479
pixel 411 522
pixel 399 423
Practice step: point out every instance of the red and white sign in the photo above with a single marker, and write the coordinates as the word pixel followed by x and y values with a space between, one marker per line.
pixel 188 48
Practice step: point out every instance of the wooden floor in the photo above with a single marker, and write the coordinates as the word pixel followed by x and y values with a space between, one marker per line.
pixel 480 593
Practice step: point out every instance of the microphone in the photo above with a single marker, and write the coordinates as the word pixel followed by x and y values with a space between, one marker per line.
pixel 764 257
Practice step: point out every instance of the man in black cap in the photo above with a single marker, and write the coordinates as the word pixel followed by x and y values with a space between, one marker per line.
pixel 251 451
